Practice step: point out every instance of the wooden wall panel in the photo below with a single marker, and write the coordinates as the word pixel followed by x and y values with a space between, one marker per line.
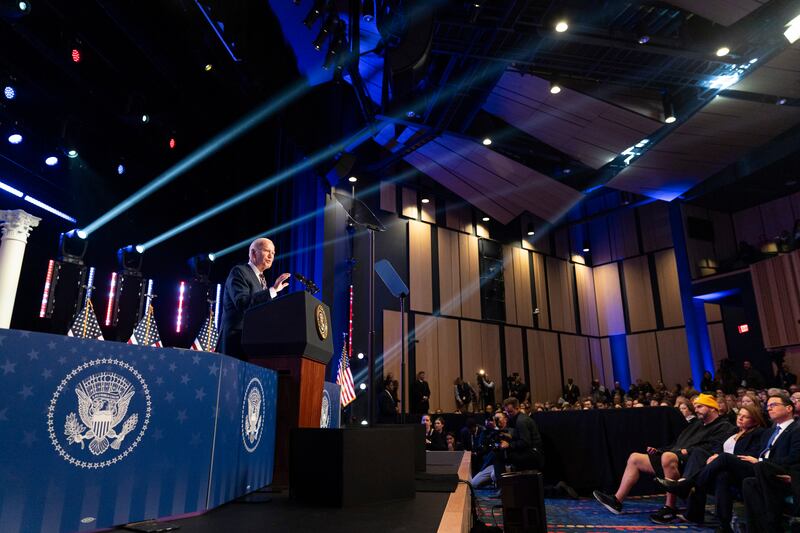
pixel 471 349
pixel 544 365
pixel 428 211
pixel 673 352
pixel 509 282
pixel 643 357
pixel 490 357
pixel 459 217
pixel 470 278
pixel 449 273
pixel 420 266
pixel 482 230
pixel 600 241
pixel 389 197
pixel 514 355
pixel 602 368
pixel 608 365
pixel 622 229
pixel 561 292
pixel 576 361
pixel 522 289
pixel 639 294
pixel 561 239
pixel 449 362
pixel 719 346
pixel 610 317
pixel 776 283
pixel 426 355
pixel 409 206
pixel 391 346
pixel 655 226
pixel 668 288
pixel 587 305
pixel 713 313
pixel 540 285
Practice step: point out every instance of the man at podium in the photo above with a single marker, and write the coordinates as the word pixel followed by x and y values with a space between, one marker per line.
pixel 245 286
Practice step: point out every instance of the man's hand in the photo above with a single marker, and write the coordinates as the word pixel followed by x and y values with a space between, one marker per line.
pixel 504 444
pixel 712 458
pixel 281 282
pixel 651 450
pixel 748 458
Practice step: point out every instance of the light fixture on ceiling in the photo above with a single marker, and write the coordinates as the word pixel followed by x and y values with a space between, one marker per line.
pixel 314 13
pixel 792 32
pixel 51 161
pixel 531 231
pixel 669 109
pixel 145 118
pixel 72 154
pixel 9 92
pixel 780 101
pixel 352 179
pixel 555 88
pixel 426 200
pixel 485 218
pixel 722 51
pixel 209 67
pixel 561 26
pixel 15 138
pixel 487 141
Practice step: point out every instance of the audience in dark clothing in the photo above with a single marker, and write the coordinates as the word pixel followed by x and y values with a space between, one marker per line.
pixel 438 437
pixel 420 395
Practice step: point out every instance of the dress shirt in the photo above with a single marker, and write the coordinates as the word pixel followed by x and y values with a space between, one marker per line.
pixel 260 275
pixel 783 426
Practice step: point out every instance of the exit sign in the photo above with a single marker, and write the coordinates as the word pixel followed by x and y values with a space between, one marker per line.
pixel 743 328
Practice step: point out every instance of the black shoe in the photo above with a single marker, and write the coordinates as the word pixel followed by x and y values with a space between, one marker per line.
pixel 668 484
pixel 608 501
pixel 665 515
pixel 569 491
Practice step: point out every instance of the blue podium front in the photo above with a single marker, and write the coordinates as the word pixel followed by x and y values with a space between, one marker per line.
pixel 99 433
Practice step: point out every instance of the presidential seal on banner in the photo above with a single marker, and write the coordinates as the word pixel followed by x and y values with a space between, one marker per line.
pixel 253 413
pixel 322 322
pixel 325 414
pixel 99 413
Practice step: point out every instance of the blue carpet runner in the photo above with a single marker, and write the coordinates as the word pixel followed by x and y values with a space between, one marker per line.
pixel 588 516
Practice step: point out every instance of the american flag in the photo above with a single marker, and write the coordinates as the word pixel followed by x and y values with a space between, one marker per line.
pixel 206 340
pixel 146 332
pixel 86 325
pixel 345 379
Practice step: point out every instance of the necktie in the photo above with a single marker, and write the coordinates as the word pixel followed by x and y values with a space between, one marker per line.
pixel 263 280
pixel 770 442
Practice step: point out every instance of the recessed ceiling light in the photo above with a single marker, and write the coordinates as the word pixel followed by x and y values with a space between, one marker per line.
pixel 487 141
pixel 555 88
pixel 352 179
pixel 670 119
pixel 562 26
pixel 485 219
pixel 426 200
pixel 722 51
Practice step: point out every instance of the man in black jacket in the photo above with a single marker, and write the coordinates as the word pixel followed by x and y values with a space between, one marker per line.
pixel 710 433
pixel 524 450
pixel 420 395
pixel 764 493
pixel 571 392
pixel 245 286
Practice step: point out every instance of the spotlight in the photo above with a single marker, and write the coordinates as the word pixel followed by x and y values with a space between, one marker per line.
pixel 208 67
pixel 644 39
pixel 130 258
pixel 72 246
pixel 364 422
pixel 314 14
pixel 9 92
pixel 779 101
pixel 487 141
pixel 322 36
pixel 363 386
pixel 585 246
pixel 140 248
pixel 76 55
pixel 211 257
pixel 25 7
pixel 669 109
pixel 426 200
pixel 120 169
pixel 51 161
pixel 531 231
pixel 352 179
pixel 555 88
pixel 753 61
pixel 360 355
pixel 72 154
pixel 15 138
pixel 335 47
pixel 722 51
pixel 485 219
pixel 670 119
pixel 145 118
pixel 562 26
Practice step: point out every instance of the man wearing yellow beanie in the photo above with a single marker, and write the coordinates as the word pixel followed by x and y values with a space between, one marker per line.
pixel 708 432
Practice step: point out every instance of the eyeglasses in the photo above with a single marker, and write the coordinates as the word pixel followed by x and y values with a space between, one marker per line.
pixel 771 405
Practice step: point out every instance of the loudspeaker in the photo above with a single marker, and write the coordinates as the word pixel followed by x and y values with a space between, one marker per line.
pixel 522 494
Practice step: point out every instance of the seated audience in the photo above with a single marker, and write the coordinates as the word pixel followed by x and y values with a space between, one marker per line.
pixel 668 461
pixel 470 435
pixel 708 384
pixel 426 421
pixel 438 437
pixel 722 472
pixel 452 444
pixel 687 409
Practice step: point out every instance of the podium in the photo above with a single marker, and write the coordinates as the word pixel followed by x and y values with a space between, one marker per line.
pixel 291 335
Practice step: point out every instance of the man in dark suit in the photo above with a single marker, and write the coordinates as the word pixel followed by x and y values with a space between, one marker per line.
pixel 571 392
pixel 420 395
pixel 245 286
pixel 764 493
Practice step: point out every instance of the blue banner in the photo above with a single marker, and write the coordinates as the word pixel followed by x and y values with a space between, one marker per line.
pixel 99 433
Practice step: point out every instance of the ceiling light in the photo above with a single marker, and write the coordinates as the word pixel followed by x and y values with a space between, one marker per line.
pixel 9 92
pixel 208 67
pixel 352 179
pixel 781 101
pixel 363 386
pixel 486 219
pixel 23 6
pixel 120 169
pixel 722 51
pixel 555 88
pixel 792 32
pixel 51 161
pixel 145 118
pixel 487 141
pixel 644 39
pixel 426 200
pixel 72 154
pixel 754 60
pixel 585 249
pixel 360 355
pixel 562 26
pixel 531 232
pixel 76 55
pixel 15 138
pixel 670 119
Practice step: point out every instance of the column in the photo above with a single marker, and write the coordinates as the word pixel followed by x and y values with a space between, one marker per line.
pixel 16 226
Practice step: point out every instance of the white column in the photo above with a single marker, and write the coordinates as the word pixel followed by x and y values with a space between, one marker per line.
pixel 16 226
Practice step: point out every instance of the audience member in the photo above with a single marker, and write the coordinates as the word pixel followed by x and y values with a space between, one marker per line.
pixel 571 392
pixel 751 378
pixel 524 450
pixel 708 384
pixel 438 438
pixel 690 392
pixel 764 492
pixel 687 409
pixel 784 377
pixel 426 421
pixel 496 430
pixel 464 394
pixel 486 388
pixel 667 462
pixel 452 444
pixel 420 394
pixel 470 435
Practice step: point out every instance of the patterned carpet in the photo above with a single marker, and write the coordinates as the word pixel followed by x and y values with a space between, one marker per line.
pixel 588 516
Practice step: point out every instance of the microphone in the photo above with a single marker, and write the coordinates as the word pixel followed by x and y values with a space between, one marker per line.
pixel 309 285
